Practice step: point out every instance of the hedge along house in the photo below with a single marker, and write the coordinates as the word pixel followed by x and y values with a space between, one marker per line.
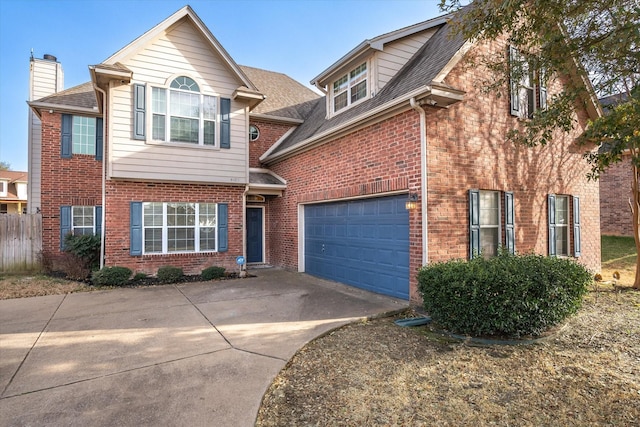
pixel 179 156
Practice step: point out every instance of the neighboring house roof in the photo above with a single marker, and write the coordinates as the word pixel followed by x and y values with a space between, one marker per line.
pixel 12 177
pixel 284 97
pixel 81 97
pixel 612 100
pixel 415 76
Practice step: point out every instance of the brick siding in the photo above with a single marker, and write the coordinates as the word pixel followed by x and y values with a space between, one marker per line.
pixel 615 192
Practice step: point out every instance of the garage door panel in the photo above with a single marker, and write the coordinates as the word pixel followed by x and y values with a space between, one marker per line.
pixel 364 243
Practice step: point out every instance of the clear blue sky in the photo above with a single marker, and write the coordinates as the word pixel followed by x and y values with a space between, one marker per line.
pixel 297 37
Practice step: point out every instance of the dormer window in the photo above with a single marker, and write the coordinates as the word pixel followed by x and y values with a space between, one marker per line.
pixel 350 88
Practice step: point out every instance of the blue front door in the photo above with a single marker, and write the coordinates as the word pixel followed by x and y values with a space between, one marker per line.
pixel 254 235
pixel 363 243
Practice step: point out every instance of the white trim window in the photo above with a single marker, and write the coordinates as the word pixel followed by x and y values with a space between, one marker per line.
pixel 350 88
pixel 83 220
pixel 181 113
pixel 528 85
pixel 489 223
pixel 562 225
pixel 83 136
pixel 3 188
pixel 179 227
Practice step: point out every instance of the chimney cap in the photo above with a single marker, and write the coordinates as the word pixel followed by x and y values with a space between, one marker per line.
pixel 49 57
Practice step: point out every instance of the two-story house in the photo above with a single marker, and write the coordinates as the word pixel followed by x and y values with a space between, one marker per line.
pixel 13 192
pixel 179 156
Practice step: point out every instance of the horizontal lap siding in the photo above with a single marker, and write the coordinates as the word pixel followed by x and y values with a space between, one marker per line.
pixel 396 54
pixel 182 51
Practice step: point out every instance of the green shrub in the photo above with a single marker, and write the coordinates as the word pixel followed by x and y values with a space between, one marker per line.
pixel 511 295
pixel 140 276
pixel 213 272
pixel 111 276
pixel 86 247
pixel 169 274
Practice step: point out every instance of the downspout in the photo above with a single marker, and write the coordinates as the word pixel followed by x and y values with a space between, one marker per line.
pixel 423 176
pixel 104 182
pixel 243 268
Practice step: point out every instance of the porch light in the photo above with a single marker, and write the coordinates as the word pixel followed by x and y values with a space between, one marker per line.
pixel 412 202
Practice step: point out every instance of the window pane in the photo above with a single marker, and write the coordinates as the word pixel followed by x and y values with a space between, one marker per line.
pixel 340 85
pixel 181 214
pixel 152 240
pixel 185 104
pixel 359 72
pixel 152 214
pixel 208 239
pixel 185 83
pixel 359 91
pixel 209 108
pixel 340 101
pixel 489 241
pixel 184 130
pixel 84 135
pixel 159 103
pixel 562 210
pixel 489 208
pixel 158 126
pixel 82 217
pixel 209 133
pixel 562 240
pixel 180 239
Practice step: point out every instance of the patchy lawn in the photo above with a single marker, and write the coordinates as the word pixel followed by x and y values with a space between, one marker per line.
pixel 377 373
pixel 21 286
pixel 619 254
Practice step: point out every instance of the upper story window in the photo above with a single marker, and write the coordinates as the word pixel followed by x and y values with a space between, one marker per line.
pixel 350 88
pixel 254 133
pixel 528 85
pixel 21 190
pixel 3 188
pixel 181 113
pixel 83 136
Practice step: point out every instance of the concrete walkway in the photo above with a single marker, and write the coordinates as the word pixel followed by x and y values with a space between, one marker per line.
pixel 198 354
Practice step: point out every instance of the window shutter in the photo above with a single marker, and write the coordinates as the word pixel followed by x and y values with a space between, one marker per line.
pixel 514 82
pixel 98 220
pixel 65 224
pixel 139 102
pixel 474 223
pixel 223 227
pixel 66 132
pixel 577 250
pixel 551 198
pixel 225 123
pixel 542 96
pixel 99 139
pixel 135 229
pixel 509 222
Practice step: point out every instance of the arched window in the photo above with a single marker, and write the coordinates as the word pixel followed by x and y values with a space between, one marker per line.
pixel 182 114
pixel 254 133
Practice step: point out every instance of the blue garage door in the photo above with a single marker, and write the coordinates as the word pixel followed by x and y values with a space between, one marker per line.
pixel 364 243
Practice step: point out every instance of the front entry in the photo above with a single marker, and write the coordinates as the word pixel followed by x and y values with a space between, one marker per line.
pixel 255 235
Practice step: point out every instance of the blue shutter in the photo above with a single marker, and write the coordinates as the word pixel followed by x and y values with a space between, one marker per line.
pixel 65 224
pixel 514 82
pixel 99 139
pixel 509 222
pixel 139 115
pixel 577 250
pixel 66 132
pixel 552 224
pixel 98 220
pixel 135 229
pixel 225 123
pixel 223 227
pixel 474 223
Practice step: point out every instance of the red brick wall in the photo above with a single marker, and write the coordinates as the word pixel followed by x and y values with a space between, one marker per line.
pixel 467 149
pixel 75 181
pixel 615 191
pixel 121 193
pixel 269 133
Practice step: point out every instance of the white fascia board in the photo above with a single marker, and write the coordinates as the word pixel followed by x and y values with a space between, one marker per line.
pixel 270 172
pixel 37 106
pixel 276 144
pixel 279 119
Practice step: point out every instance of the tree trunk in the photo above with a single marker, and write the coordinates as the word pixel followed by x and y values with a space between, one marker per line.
pixel 636 226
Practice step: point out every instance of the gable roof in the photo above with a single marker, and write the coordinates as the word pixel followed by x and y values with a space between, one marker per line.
pixel 415 78
pixel 284 97
pixel 12 177
pixel 185 13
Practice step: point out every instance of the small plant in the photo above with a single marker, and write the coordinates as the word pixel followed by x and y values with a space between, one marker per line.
pixel 140 276
pixel 169 274
pixel 511 295
pixel 213 272
pixel 111 276
pixel 86 247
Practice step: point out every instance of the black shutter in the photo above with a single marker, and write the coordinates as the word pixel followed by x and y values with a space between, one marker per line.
pixel 474 223
pixel 551 198
pixel 225 123
pixel 509 222
pixel 577 250
pixel 66 132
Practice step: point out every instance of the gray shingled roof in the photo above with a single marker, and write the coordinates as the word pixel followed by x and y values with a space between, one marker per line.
pixel 420 70
pixel 285 97
pixel 78 96
pixel 264 178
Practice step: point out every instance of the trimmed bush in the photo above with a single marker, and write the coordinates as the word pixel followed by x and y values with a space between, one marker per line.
pixel 111 276
pixel 140 276
pixel 86 247
pixel 169 274
pixel 213 272
pixel 512 295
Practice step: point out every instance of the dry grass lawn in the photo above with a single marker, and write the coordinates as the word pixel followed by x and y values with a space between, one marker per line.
pixel 21 286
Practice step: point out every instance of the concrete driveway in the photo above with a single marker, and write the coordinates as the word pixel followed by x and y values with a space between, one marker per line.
pixel 190 355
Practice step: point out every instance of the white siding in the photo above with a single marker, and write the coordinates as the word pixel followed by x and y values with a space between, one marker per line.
pixel 396 54
pixel 46 78
pixel 181 51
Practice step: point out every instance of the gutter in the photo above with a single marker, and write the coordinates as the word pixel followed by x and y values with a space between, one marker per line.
pixel 62 108
pixel 105 144
pixel 243 267
pixel 423 177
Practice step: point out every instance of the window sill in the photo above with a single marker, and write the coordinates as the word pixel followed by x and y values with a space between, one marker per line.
pixel 183 145
pixel 178 254
pixel 348 107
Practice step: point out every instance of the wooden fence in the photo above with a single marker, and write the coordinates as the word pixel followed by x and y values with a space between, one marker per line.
pixel 20 242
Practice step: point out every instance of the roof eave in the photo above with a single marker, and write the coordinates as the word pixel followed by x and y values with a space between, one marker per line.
pixel 61 108
pixel 276 119
pixel 253 98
